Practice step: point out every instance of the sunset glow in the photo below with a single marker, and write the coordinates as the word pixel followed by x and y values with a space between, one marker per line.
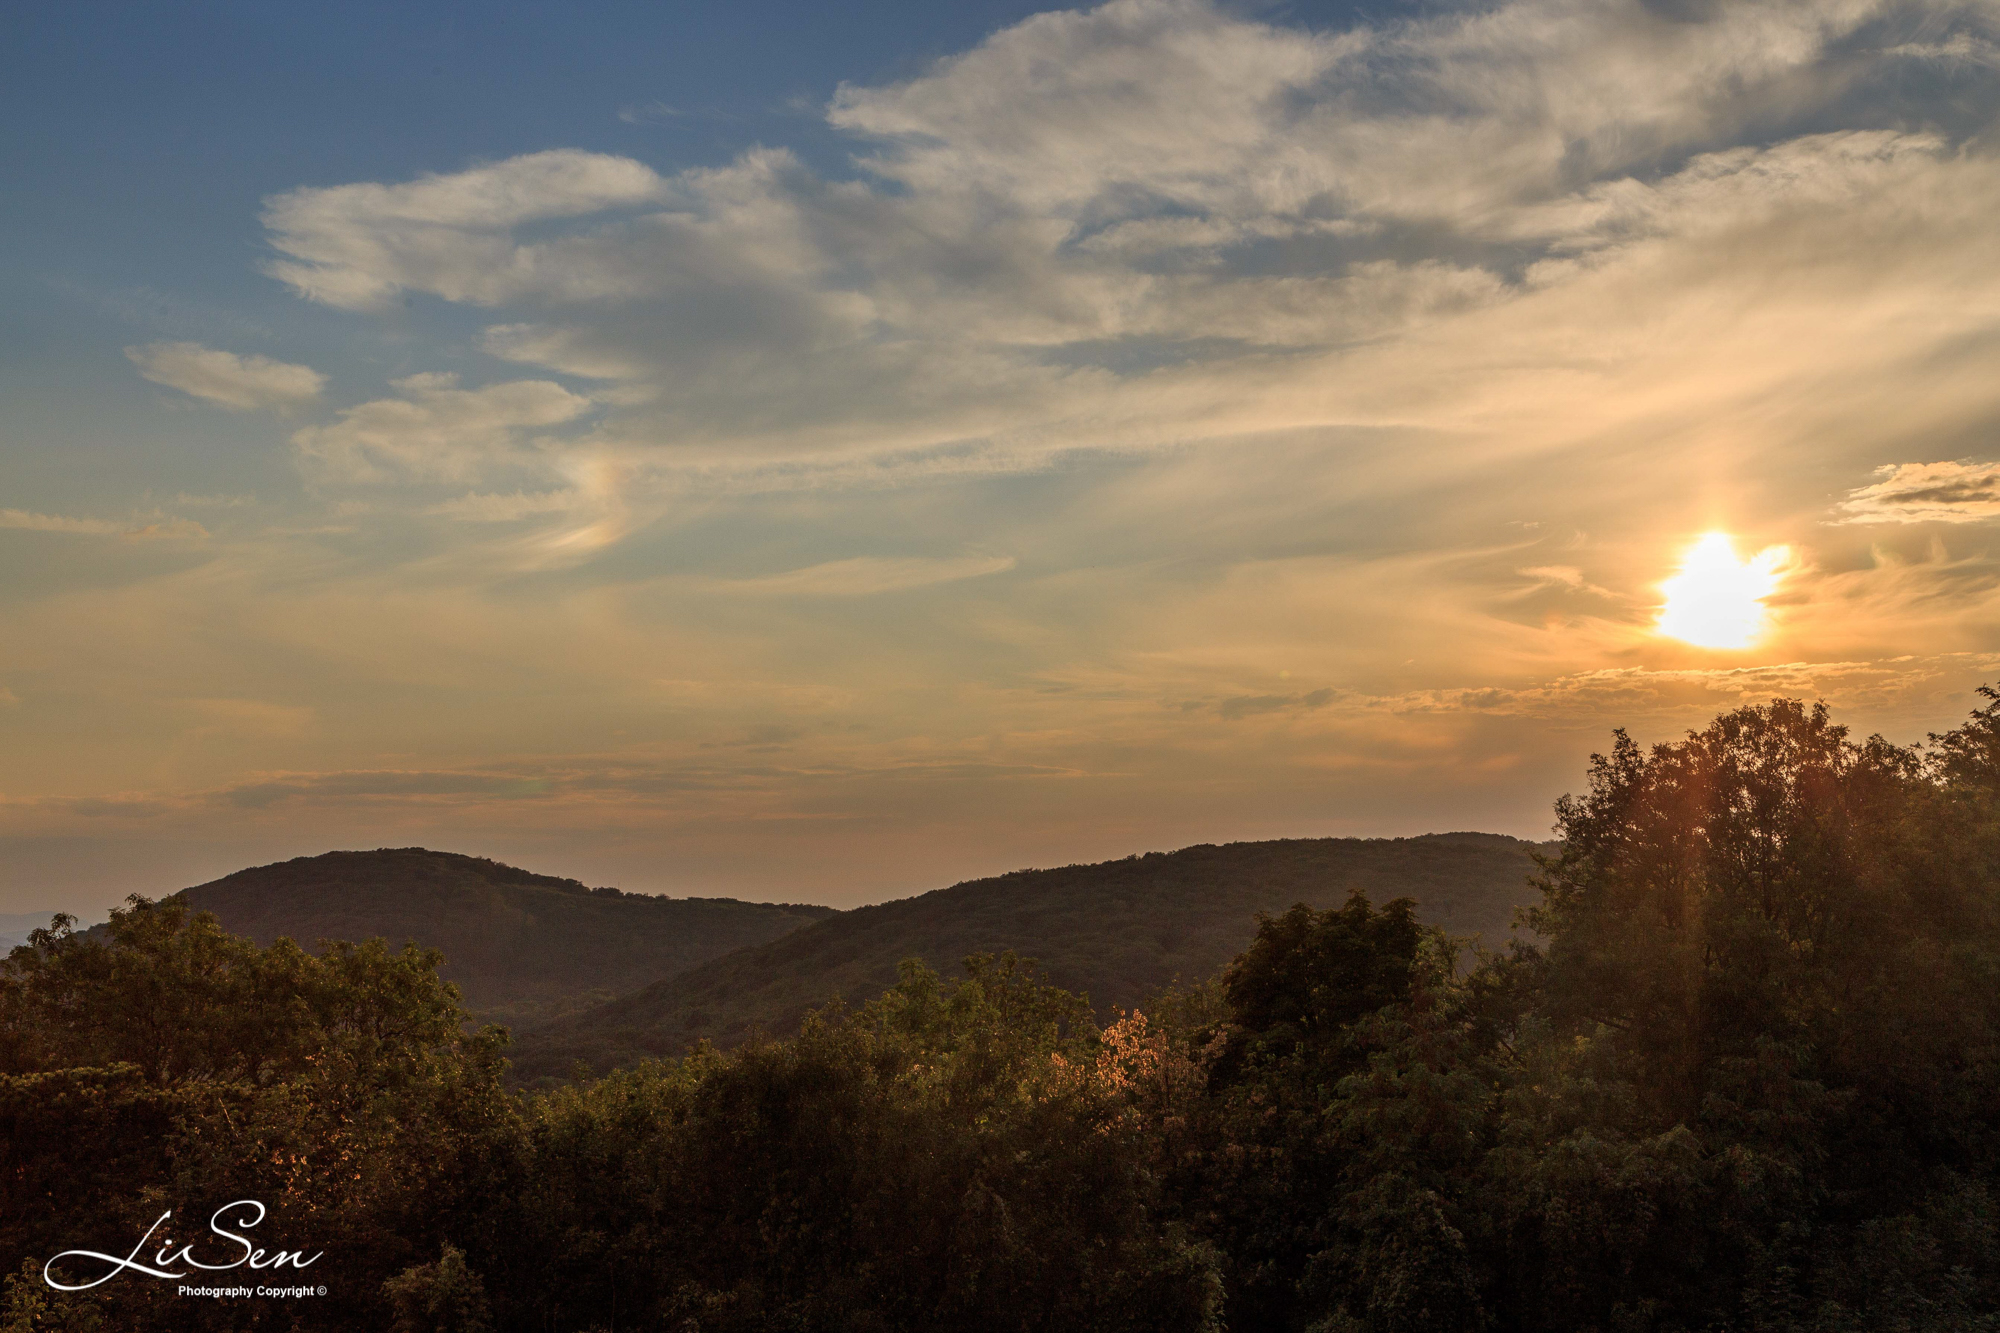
pixel 814 455
pixel 1717 600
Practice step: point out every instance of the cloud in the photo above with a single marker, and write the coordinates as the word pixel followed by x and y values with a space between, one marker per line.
pixel 1958 492
pixel 167 529
pixel 31 522
pixel 1157 220
pixel 251 717
pixel 240 383
pixel 1249 705
pixel 1960 48
pixel 385 785
pixel 161 526
pixel 1166 107
pixel 436 431
pixel 1637 693
pixel 863 576
pixel 646 113
pixel 490 508
pixel 1174 101
pixel 359 246
pixel 1564 578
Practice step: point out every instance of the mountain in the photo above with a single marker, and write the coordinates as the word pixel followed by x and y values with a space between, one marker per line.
pixel 1117 931
pixel 523 947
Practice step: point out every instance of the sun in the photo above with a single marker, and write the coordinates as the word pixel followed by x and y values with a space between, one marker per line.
pixel 1716 600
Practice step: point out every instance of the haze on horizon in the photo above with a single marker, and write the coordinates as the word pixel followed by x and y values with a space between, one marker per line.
pixel 820 458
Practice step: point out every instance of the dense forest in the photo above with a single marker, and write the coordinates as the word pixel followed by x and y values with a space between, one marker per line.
pixel 1744 1076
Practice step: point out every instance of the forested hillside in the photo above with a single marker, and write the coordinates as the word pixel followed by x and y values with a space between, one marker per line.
pixel 1115 932
pixel 523 947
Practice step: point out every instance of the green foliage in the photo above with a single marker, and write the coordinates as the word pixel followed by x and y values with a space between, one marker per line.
pixel 168 1066
pixel 443 1297
pixel 1766 1019
pixel 29 1305
pixel 1333 1122
pixel 174 994
pixel 1308 977
pixel 945 1157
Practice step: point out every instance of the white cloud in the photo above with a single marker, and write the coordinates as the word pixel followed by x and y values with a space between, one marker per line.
pixel 241 383
pixel 1103 225
pixel 1174 100
pixel 358 246
pixel 436 431
pixel 1957 492
pixel 1140 104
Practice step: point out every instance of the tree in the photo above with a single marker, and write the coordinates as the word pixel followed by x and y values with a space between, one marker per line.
pixel 948 1156
pixel 442 1297
pixel 1766 987
pixel 1273 1180
pixel 338 1090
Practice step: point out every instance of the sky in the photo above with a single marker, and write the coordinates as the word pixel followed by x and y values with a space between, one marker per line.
pixel 822 453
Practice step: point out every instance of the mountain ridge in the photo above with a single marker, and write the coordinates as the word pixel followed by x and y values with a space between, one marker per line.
pixel 1117 930
pixel 523 947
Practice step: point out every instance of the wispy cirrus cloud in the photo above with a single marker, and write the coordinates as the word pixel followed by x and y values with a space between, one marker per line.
pixel 392 785
pixel 27 521
pixel 214 501
pixel 649 113
pixel 487 507
pixel 158 526
pixel 358 246
pixel 862 576
pixel 436 431
pixel 240 383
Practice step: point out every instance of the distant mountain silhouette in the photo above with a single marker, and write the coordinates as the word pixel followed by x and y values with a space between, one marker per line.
pixel 1117 931
pixel 523 947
